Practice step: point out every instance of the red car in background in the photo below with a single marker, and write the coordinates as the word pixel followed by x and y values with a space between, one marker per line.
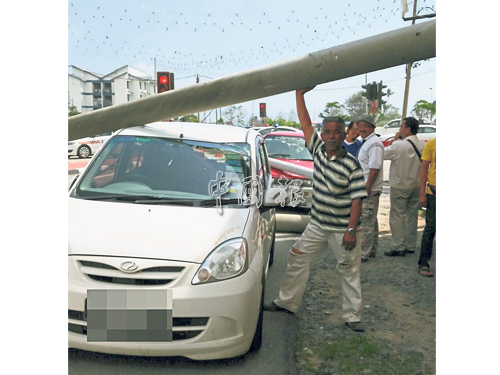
pixel 291 147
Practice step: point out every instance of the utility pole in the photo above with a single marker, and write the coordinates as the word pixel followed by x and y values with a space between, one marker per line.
pixel 408 70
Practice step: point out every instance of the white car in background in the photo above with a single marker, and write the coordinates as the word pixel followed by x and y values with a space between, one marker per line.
pixel 86 147
pixel 263 130
pixel 172 231
pixel 393 126
pixel 425 133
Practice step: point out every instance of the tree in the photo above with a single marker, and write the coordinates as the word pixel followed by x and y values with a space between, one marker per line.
pixel 282 122
pixel 254 121
pixel 72 111
pixel 424 109
pixel 355 105
pixel 389 114
pixel 235 115
pixel 334 109
pixel 191 118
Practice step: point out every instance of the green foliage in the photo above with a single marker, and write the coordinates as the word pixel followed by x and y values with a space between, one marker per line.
pixel 282 122
pixel 389 114
pixel 355 106
pixel 358 355
pixel 424 109
pixel 334 109
pixel 190 118
pixel 235 115
pixel 72 111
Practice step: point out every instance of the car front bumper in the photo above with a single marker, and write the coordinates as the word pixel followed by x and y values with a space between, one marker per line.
pixel 211 321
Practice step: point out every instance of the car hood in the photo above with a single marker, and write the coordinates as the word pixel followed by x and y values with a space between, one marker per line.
pixel 177 233
pixel 303 163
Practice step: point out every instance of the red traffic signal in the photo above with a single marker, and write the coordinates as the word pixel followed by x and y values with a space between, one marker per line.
pixel 165 81
pixel 262 109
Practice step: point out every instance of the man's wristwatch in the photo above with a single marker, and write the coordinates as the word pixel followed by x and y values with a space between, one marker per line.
pixel 351 231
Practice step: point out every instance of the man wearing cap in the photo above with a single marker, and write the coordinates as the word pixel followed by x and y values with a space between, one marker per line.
pixel 371 158
pixel 404 178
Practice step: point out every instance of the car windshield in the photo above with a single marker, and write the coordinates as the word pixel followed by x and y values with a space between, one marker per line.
pixel 167 169
pixel 287 147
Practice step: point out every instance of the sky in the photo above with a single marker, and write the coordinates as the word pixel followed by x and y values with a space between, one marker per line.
pixel 213 39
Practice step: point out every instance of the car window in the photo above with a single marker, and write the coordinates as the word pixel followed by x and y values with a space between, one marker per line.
pixel 394 124
pixel 265 131
pixel 170 168
pixel 286 147
pixel 426 130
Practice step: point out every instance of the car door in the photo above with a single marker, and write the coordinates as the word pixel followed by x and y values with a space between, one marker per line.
pixel 267 214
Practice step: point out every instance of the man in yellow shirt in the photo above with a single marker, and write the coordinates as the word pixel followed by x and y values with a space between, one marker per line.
pixel 428 199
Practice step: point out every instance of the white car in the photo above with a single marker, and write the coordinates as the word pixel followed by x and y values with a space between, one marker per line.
pixel 171 232
pixel 263 130
pixel 85 147
pixel 425 133
pixel 394 125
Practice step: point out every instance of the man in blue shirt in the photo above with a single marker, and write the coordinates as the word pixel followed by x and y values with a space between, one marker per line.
pixel 351 143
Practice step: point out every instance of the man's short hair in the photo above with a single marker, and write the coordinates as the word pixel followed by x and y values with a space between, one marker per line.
pixel 337 119
pixel 351 124
pixel 412 124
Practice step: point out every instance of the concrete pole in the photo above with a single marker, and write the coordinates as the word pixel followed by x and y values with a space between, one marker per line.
pixel 382 51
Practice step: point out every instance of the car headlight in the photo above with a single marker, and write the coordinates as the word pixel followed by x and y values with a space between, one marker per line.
pixel 228 260
pixel 71 143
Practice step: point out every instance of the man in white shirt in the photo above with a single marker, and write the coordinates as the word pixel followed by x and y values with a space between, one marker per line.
pixel 404 154
pixel 371 159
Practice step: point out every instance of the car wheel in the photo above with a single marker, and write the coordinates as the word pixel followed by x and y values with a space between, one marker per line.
pixel 83 152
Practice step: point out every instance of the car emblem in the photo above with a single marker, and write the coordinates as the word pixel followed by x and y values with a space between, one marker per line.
pixel 128 266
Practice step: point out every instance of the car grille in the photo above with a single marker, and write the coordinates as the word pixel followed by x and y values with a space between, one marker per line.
pixel 149 276
pixel 182 328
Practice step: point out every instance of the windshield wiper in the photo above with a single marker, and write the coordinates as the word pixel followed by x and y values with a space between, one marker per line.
pixel 140 199
pixel 213 202
pixel 278 155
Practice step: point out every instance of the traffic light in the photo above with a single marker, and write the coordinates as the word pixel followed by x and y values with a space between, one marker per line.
pixel 380 94
pixel 164 81
pixel 370 92
pixel 262 108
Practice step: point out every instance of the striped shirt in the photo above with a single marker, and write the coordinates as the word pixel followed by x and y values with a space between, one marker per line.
pixel 336 183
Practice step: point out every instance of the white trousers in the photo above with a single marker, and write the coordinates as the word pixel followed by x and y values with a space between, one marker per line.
pixel 312 243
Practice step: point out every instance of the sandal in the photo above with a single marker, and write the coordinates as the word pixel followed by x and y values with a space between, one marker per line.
pixel 425 271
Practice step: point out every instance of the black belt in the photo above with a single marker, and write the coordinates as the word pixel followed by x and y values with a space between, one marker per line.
pixel 433 189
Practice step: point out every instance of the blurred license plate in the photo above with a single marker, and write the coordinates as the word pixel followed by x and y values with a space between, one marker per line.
pixel 129 315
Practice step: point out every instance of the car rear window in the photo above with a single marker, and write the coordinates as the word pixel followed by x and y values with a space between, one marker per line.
pixel 287 147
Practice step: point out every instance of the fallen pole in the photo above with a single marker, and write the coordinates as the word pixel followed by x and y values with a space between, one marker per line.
pixel 398 47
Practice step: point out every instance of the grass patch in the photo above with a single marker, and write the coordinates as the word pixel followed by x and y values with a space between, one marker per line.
pixel 358 355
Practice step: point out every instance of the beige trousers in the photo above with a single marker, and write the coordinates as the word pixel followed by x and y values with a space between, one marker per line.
pixel 403 218
pixel 312 243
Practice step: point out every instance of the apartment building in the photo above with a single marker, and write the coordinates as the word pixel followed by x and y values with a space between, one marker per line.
pixel 88 91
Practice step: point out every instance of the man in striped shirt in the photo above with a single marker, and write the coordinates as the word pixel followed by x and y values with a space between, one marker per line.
pixel 338 190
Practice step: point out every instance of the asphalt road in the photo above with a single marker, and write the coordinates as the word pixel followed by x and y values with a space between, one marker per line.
pixel 276 356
